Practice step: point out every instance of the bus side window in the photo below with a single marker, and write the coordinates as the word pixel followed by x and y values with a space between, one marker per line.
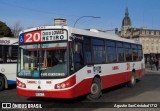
pixel 134 52
pixel 12 53
pixel 5 51
pixel 128 52
pixel 88 54
pixel 140 53
pixel 111 51
pixel 120 52
pixel 98 46
pixel 78 56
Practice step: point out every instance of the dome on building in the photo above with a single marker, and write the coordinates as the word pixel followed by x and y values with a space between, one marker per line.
pixel 126 20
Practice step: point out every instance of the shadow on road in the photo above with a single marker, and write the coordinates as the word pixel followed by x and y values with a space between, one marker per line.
pixel 10 87
pixel 74 100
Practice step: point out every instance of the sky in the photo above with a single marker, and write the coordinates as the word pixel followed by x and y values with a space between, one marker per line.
pixel 33 13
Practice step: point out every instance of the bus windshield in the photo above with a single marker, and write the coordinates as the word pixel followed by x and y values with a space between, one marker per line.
pixel 43 60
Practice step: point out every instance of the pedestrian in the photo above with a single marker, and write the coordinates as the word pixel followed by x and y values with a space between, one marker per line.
pixel 157 64
pixel 151 62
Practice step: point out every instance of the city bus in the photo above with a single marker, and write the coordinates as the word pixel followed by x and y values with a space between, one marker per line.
pixel 66 62
pixel 8 61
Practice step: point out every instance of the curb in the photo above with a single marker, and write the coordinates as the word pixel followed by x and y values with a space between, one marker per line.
pixel 152 71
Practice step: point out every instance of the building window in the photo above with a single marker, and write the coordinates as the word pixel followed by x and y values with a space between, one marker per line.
pixel 157 48
pixel 157 33
pixel 152 41
pixel 157 41
pixel 152 48
pixel 143 32
pixel 146 47
pixel 152 32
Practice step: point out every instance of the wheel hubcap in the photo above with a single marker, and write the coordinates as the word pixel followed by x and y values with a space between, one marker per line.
pixel 94 88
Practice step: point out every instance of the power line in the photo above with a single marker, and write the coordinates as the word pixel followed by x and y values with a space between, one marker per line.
pixel 35 10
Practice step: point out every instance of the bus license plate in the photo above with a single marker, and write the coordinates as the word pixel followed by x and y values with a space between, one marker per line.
pixel 39 94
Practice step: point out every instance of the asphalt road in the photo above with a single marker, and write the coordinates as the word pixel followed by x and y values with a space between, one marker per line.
pixel 146 90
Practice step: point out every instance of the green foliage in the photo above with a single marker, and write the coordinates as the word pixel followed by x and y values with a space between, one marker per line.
pixel 5 31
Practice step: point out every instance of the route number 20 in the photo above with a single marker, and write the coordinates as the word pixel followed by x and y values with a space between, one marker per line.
pixel 32 37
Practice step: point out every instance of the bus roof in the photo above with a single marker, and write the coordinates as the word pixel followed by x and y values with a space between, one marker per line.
pixel 8 41
pixel 91 33
pixel 102 34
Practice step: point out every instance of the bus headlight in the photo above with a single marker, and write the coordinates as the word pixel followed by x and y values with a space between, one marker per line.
pixel 58 86
pixel 21 84
pixel 63 85
pixel 66 84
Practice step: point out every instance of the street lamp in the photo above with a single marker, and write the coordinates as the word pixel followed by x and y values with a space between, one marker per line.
pixel 84 17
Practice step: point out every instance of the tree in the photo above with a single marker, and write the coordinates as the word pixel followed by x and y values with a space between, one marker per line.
pixel 16 29
pixel 5 31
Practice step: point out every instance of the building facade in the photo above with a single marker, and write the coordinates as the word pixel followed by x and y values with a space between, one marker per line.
pixel 149 38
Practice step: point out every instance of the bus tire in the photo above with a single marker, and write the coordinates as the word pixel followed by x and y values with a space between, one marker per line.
pixel 95 91
pixel 132 82
pixel 1 83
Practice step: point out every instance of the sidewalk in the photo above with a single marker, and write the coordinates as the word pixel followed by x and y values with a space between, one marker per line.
pixel 151 71
pixel 154 70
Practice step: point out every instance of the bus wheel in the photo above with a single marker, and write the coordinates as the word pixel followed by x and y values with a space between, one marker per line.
pixel 132 82
pixel 1 83
pixel 95 92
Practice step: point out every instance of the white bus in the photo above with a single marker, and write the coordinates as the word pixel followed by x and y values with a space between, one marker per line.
pixel 8 61
pixel 65 62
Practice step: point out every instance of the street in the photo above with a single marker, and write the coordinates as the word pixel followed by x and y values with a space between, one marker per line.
pixel 146 90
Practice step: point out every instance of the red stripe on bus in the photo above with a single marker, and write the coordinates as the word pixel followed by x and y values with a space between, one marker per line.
pixel 80 89
pixel 84 86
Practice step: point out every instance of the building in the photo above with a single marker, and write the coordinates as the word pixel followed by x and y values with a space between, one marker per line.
pixel 149 38
pixel 126 25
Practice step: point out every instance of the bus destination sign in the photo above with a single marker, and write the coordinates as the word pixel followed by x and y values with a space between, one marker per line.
pixel 43 36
